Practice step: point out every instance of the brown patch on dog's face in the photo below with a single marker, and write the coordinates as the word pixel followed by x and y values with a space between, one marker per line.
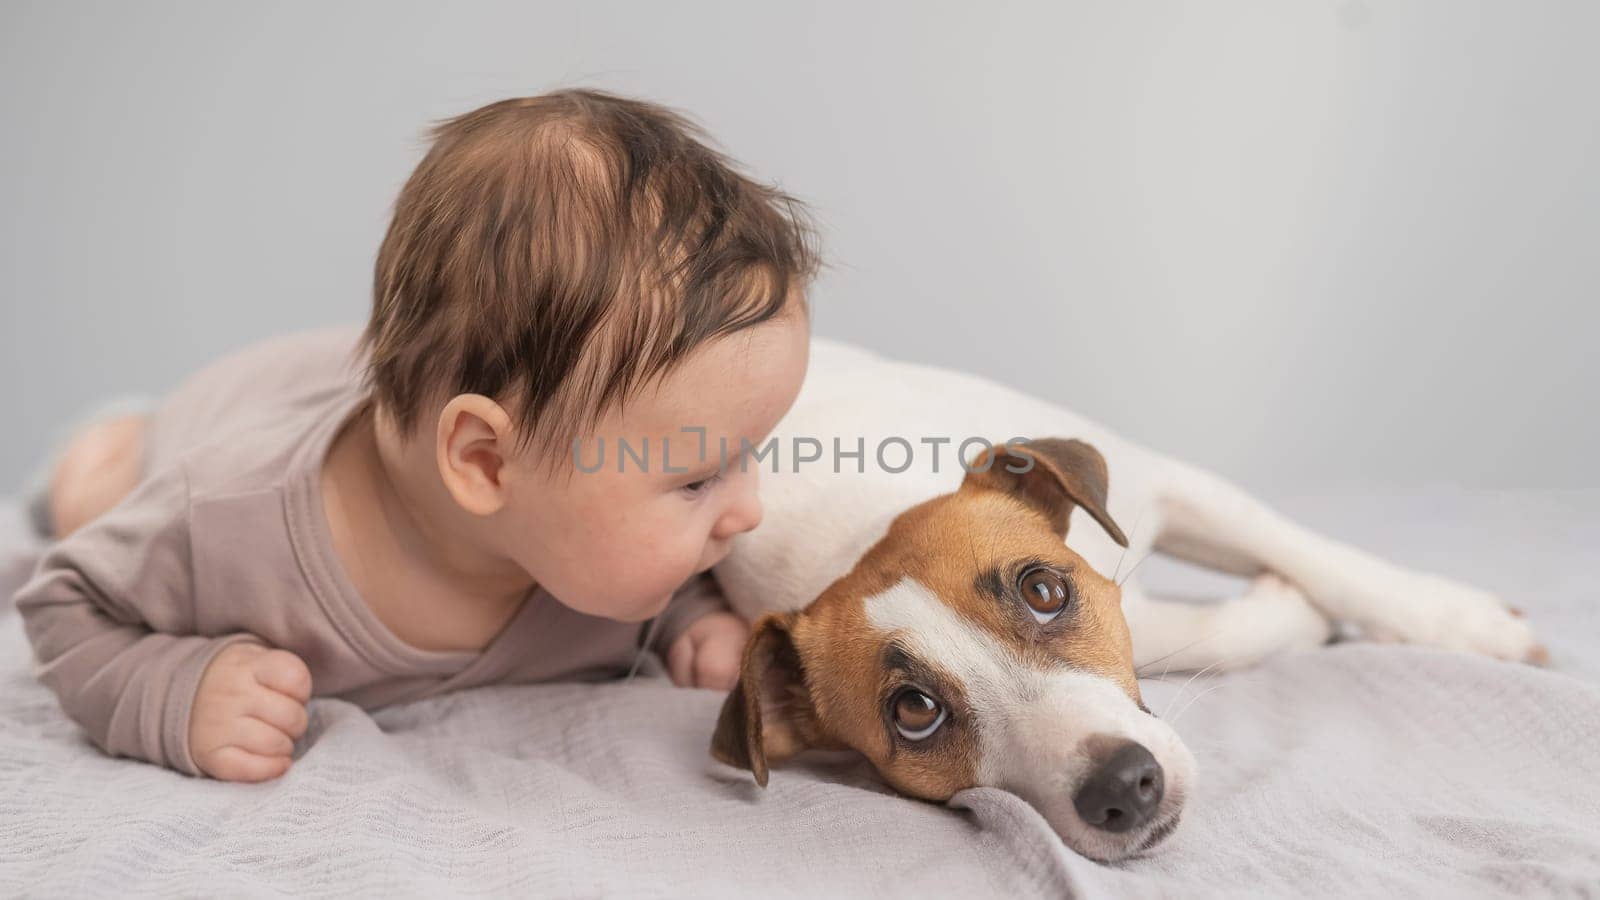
pixel 1002 540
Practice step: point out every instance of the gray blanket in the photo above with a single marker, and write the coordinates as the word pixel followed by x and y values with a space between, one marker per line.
pixel 1352 771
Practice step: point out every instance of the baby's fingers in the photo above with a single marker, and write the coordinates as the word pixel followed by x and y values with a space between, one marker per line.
pixel 283 672
pixel 680 661
pixel 250 733
pixel 287 714
pixel 238 764
pixel 716 665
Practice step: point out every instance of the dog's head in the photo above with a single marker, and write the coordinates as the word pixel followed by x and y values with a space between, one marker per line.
pixel 971 647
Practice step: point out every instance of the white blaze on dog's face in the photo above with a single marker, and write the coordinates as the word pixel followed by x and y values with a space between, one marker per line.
pixel 971 647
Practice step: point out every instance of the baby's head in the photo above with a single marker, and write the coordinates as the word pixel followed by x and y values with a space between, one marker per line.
pixel 571 270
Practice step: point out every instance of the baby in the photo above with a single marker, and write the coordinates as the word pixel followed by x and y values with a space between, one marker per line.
pixel 583 318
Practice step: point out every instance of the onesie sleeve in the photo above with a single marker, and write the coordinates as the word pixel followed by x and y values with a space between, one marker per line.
pixel 110 612
pixel 697 597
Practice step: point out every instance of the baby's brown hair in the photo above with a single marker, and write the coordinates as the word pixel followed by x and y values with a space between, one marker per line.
pixel 559 251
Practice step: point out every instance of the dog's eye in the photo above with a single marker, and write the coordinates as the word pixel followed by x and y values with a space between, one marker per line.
pixel 916 715
pixel 1046 592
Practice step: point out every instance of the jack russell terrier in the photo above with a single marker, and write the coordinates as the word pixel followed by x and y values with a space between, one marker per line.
pixel 920 604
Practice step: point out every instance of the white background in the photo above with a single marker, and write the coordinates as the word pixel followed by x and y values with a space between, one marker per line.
pixel 1303 243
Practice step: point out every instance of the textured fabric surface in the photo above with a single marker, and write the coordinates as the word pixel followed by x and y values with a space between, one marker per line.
pixel 1357 770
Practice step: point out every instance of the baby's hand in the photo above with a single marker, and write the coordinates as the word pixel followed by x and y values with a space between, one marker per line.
pixel 707 654
pixel 248 711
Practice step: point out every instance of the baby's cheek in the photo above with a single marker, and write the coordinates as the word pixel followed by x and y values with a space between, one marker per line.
pixel 650 572
pixel 631 561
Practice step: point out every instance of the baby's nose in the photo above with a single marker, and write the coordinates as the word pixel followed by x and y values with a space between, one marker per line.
pixel 744 515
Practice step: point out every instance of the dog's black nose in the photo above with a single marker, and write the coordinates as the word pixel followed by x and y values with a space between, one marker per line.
pixel 1123 792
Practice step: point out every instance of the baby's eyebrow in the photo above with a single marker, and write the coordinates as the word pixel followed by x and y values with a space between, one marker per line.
pixel 699 474
pixel 714 463
pixel 696 471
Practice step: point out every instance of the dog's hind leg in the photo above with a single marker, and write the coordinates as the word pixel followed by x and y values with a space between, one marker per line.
pixel 1206 520
pixel 1272 616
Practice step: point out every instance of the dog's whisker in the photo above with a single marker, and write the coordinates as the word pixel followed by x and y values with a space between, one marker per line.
pixel 1185 687
pixel 1165 669
pixel 1235 678
pixel 1204 637
pixel 1174 720
pixel 1168 667
pixel 1131 535
pixel 1135 568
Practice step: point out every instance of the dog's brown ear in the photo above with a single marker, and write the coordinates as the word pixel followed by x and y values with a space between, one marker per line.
pixel 1052 474
pixel 767 717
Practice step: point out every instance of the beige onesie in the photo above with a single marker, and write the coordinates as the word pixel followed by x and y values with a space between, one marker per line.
pixel 226 540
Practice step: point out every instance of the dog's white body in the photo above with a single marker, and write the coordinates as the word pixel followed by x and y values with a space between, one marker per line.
pixel 818 522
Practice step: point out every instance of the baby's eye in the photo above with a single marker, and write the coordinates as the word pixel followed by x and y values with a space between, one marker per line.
pixel 696 487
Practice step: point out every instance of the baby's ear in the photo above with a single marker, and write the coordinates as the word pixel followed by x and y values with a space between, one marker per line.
pixel 768 716
pixel 472 445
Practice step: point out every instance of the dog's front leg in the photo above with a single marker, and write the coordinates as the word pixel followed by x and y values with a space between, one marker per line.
pixel 1208 521
pixel 1272 616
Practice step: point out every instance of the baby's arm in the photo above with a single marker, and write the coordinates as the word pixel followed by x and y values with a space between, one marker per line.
pixel 110 612
pixel 702 637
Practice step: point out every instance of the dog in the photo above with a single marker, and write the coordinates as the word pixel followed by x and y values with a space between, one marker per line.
pixel 958 623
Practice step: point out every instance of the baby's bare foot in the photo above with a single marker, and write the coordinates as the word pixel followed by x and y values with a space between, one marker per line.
pixel 98 467
pixel 248 711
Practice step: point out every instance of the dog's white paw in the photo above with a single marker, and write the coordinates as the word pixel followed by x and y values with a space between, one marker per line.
pixel 1417 608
